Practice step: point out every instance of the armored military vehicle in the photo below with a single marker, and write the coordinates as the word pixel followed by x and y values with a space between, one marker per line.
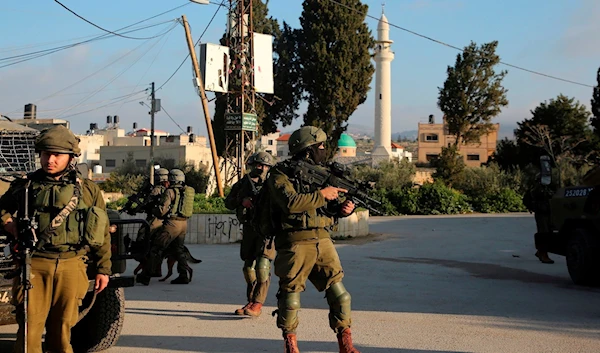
pixel 575 224
pixel 101 315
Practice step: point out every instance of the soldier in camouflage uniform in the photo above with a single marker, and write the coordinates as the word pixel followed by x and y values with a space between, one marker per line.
pixel 60 199
pixel 254 251
pixel 170 234
pixel 305 251
pixel 537 200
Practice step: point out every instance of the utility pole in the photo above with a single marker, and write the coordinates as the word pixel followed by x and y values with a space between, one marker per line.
pixel 152 111
pixel 204 100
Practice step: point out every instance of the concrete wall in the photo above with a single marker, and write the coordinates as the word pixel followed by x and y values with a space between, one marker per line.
pixel 225 228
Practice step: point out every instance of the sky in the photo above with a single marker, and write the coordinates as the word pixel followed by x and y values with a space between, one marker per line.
pixel 85 83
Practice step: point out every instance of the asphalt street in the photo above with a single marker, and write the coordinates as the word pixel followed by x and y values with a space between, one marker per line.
pixel 419 284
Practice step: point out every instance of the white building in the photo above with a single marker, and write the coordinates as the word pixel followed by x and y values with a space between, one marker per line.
pixel 268 143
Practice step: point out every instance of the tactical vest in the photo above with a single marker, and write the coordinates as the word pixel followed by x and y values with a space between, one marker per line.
pixel 183 205
pixel 84 225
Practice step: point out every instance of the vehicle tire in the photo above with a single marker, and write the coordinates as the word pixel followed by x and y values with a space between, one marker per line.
pixel 582 258
pixel 101 327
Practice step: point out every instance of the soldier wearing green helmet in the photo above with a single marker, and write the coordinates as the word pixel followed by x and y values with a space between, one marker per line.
pixel 255 253
pixel 305 250
pixel 60 201
pixel 174 209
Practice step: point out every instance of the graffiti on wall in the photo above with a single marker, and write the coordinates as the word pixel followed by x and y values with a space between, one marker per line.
pixel 216 227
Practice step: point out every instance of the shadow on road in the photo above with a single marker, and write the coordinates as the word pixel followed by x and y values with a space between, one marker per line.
pixel 244 345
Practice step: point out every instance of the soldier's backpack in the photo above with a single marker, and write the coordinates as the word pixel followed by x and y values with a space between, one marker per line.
pixel 184 201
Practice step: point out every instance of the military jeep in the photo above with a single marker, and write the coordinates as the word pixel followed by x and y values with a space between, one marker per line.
pixel 575 225
pixel 101 315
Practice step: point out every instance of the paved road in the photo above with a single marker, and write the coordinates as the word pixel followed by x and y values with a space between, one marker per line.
pixel 426 284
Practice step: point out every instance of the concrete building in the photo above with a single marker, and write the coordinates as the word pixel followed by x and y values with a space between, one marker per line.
pixel 383 90
pixel 432 137
pixel 283 151
pixel 178 148
pixel 268 143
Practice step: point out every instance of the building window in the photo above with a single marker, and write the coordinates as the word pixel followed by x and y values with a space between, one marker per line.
pixel 110 163
pixel 140 163
pixel 431 137
pixel 344 150
pixel 431 157
pixel 472 157
pixel 269 151
pixel 270 142
pixel 97 150
pixel 146 142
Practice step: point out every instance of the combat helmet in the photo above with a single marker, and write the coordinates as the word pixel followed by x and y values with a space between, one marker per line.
pixel 58 139
pixel 176 176
pixel 162 174
pixel 263 158
pixel 304 137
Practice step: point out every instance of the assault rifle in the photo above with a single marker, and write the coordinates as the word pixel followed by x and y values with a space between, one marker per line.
pixel 26 242
pixel 337 175
pixel 141 200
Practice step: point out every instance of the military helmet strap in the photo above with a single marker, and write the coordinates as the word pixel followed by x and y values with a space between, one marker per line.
pixel 45 236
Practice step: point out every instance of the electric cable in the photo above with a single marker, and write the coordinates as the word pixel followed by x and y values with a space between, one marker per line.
pixel 457 48
pixel 101 28
pixel 198 41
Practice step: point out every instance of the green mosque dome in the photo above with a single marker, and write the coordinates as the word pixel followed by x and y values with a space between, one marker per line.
pixel 346 141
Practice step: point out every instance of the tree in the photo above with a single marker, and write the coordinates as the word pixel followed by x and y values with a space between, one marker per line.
pixel 507 155
pixel 449 165
pixel 565 129
pixel 472 94
pixel 595 103
pixel 270 109
pixel 336 68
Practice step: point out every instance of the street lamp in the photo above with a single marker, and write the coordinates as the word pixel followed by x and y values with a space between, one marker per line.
pixel 203 2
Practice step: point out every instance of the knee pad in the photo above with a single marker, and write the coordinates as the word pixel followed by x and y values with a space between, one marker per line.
pixel 337 295
pixel 288 301
pixel 249 274
pixel 263 269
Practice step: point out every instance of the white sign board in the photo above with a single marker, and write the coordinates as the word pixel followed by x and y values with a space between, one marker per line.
pixel 214 66
pixel 263 63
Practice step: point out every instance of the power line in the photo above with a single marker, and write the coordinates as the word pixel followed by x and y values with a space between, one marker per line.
pixel 457 48
pixel 188 55
pixel 115 77
pixel 100 107
pixel 101 28
pixel 162 106
pixel 40 53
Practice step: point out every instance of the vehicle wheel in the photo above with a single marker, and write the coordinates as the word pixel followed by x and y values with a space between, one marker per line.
pixel 582 258
pixel 101 327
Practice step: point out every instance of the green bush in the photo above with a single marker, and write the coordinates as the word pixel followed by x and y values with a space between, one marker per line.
pixel 507 200
pixel 388 174
pixel 437 198
pixel 405 200
pixel 116 205
pixel 213 204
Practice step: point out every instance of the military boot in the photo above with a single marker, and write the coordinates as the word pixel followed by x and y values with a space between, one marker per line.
pixel 544 258
pixel 345 342
pixel 241 311
pixel 182 279
pixel 291 344
pixel 254 309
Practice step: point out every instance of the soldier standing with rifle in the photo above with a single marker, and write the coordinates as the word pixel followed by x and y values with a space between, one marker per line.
pixel 174 209
pixel 254 250
pixel 305 251
pixel 60 219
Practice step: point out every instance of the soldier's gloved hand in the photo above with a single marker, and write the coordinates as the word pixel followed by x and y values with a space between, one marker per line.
pixel 331 192
pixel 247 202
pixel 101 282
pixel 11 227
pixel 347 208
